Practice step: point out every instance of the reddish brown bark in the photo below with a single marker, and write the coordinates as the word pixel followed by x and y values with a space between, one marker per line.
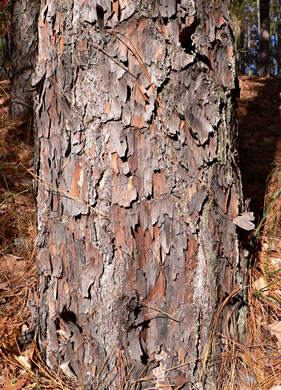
pixel 136 138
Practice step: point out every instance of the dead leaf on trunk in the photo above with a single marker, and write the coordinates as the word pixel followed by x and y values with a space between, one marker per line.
pixel 244 221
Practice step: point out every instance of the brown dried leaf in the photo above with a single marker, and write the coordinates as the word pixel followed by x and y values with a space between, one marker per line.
pixel 275 329
pixel 16 386
pixel 261 284
pixel 244 221
pixel 11 264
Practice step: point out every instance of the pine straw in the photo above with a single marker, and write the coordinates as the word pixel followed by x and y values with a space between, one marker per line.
pixel 265 292
pixel 257 363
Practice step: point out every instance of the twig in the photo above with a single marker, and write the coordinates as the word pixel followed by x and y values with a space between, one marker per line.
pixel 161 311
pixel 113 59
pixel 21 102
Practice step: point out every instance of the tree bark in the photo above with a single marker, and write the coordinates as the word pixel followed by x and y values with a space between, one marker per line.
pixel 4 42
pixel 279 37
pixel 249 53
pixel 264 38
pixel 259 17
pixel 24 48
pixel 138 185
pixel 236 27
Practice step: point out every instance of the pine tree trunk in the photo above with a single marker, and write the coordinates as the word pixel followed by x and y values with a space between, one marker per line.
pixel 264 38
pixel 138 188
pixel 259 17
pixel 24 46
pixel 279 38
pixel 249 48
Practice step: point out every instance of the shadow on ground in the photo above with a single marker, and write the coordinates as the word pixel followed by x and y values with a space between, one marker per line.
pixel 259 135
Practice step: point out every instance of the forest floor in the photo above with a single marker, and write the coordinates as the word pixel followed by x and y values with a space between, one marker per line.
pixel 254 365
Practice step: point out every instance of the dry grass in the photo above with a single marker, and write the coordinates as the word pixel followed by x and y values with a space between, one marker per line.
pixel 254 365
pixel 265 292
pixel 257 363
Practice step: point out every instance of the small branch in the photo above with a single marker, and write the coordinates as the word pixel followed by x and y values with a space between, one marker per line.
pixel 113 59
pixel 21 102
pixel 161 311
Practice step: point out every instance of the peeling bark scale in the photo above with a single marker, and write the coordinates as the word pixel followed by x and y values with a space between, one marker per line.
pixel 136 154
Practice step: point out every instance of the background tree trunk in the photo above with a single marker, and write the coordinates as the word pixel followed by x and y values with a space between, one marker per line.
pixel 24 47
pixel 259 17
pixel 264 38
pixel 279 37
pixel 249 51
pixel 136 154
